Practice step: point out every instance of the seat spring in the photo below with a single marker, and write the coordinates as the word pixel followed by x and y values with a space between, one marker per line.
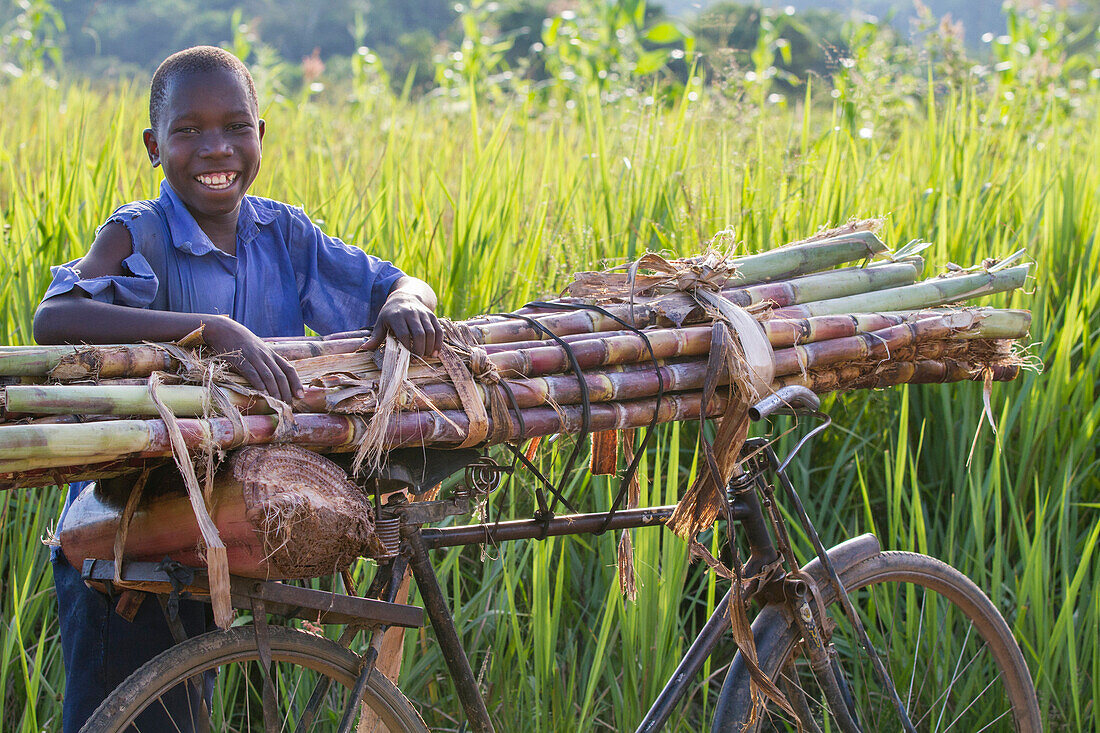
pixel 388 531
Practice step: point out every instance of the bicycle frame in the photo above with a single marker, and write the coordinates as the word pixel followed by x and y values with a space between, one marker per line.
pixel 743 507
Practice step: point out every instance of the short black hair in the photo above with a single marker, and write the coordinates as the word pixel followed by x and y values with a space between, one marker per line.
pixel 195 60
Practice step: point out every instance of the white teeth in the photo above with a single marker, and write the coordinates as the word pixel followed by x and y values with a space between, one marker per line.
pixel 216 180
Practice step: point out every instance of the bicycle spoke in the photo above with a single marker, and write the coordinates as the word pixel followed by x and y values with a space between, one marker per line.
pixel 916 652
pixel 880 609
pixel 951 685
pixel 943 695
pixel 976 698
pixel 247 703
pixel 168 714
pixel 892 623
pixel 794 681
pixel 986 726
pixel 797 697
pixel 190 707
pixel 320 690
pixel 290 700
pixel 772 713
pixel 940 637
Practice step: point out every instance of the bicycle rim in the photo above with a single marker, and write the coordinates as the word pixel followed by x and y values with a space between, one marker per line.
pixel 215 682
pixel 954 662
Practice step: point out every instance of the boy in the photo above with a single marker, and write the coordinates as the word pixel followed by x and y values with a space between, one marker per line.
pixel 206 254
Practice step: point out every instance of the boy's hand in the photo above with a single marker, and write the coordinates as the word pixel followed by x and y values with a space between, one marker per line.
pixel 252 358
pixel 408 319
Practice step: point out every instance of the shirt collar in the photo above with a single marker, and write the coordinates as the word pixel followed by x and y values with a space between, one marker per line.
pixel 189 237
pixel 251 218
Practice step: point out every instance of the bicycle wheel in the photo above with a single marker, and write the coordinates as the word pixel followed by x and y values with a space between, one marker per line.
pixel 951 655
pixel 164 694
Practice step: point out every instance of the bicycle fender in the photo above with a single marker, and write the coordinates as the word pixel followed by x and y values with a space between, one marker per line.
pixel 734 703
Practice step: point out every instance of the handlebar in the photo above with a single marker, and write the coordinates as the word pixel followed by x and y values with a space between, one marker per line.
pixel 789 400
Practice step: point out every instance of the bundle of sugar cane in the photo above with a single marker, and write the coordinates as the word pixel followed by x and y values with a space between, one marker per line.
pixel 85 411
pixel 616 366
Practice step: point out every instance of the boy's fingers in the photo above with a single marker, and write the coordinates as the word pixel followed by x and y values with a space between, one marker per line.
pixel 400 331
pixel 433 334
pixel 438 334
pixel 267 379
pixel 428 335
pixel 375 340
pixel 417 337
pixel 292 378
pixel 248 372
pixel 281 382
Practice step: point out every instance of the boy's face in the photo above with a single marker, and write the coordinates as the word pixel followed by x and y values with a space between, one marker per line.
pixel 208 142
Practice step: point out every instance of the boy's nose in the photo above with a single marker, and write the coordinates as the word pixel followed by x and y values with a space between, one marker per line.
pixel 216 146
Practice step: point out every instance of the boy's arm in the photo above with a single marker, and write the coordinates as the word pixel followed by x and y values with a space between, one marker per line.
pixel 74 317
pixel 409 315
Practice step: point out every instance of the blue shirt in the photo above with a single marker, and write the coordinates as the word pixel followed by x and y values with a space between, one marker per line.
pixel 287 273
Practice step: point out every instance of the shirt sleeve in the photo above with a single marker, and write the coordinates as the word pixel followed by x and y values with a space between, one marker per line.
pixel 341 288
pixel 136 288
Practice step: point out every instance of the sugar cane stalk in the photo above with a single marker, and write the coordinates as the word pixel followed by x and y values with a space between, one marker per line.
pixel 922 371
pixel 811 256
pixel 29 448
pixel 68 362
pixel 652 311
pixel 795 259
pixel 926 294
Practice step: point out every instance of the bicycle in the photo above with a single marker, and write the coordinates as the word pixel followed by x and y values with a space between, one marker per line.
pixel 841 637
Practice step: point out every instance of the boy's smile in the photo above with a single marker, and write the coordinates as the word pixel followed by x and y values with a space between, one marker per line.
pixel 217 181
pixel 208 142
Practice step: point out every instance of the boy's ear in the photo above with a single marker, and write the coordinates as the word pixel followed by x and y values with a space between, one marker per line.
pixel 151 146
pixel 260 127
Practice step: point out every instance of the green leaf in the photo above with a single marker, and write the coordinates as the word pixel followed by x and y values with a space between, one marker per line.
pixel 650 61
pixel 666 32
pixel 469 26
pixel 550 31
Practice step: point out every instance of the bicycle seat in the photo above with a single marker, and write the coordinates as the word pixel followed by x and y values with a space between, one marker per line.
pixel 420 469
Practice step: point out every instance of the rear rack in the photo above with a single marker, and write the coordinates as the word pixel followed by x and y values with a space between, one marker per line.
pixel 278 598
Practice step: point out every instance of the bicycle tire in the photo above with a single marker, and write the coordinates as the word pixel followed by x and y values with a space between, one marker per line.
pixel 218 650
pixel 777 642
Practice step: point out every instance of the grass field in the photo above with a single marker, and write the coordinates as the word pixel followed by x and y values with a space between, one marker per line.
pixel 497 205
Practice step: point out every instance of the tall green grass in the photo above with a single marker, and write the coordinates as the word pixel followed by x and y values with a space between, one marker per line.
pixel 497 205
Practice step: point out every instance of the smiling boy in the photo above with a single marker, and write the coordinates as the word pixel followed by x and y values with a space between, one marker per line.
pixel 206 254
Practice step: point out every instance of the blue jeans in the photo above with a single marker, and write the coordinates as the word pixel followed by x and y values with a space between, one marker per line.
pixel 101 649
